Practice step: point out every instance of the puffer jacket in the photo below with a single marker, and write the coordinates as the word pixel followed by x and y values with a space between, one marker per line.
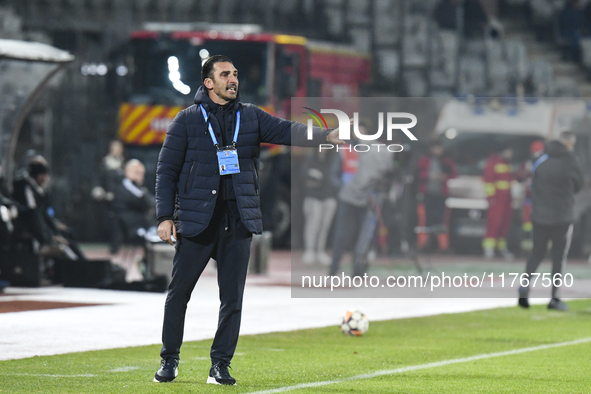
pixel 556 178
pixel 187 175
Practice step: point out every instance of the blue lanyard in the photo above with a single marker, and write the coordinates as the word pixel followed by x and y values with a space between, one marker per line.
pixel 212 134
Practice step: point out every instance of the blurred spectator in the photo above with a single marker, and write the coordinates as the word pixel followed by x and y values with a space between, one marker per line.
pixel 36 221
pixel 132 205
pixel 8 212
pixel 30 191
pixel 434 171
pixel 4 192
pixel 345 166
pixel 572 25
pixel 497 179
pixel 111 170
pixel 474 20
pixel 110 175
pixel 320 205
pixel 354 201
pixel 133 202
pixel 524 176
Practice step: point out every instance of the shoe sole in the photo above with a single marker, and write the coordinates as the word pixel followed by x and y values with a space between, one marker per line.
pixel 163 381
pixel 524 305
pixel 558 309
pixel 211 380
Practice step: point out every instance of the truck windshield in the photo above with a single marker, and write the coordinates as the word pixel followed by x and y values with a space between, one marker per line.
pixel 470 151
pixel 168 71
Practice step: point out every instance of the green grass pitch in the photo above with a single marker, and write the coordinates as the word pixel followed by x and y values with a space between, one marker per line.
pixel 270 361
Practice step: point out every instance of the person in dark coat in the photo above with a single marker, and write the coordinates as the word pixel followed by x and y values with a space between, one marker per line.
pixel 30 192
pixel 212 215
pixel 132 202
pixel 8 212
pixel 557 177
pixel 36 221
pixel 110 175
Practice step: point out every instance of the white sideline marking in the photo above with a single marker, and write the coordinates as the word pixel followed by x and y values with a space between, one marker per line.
pixel 424 366
pixel 48 375
pixel 124 369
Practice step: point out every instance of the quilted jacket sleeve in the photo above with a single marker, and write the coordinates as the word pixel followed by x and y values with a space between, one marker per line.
pixel 279 131
pixel 170 164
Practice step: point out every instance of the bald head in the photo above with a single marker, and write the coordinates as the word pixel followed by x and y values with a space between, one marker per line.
pixel 135 171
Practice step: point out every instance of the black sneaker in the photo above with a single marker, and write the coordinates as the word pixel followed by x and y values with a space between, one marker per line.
pixel 218 374
pixel 523 301
pixel 168 371
pixel 558 305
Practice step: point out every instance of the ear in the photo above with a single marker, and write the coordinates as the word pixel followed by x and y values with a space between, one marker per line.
pixel 208 83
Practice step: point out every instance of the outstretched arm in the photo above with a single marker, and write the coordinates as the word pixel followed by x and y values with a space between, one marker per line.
pixel 275 130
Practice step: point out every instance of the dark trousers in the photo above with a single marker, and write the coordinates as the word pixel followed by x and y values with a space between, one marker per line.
pixel 348 224
pixel 434 209
pixel 560 235
pixel 228 242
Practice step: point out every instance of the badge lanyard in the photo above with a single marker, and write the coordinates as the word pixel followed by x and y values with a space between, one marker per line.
pixel 227 156
pixel 212 134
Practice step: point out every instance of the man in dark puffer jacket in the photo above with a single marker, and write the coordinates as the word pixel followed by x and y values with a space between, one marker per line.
pixel 557 177
pixel 213 215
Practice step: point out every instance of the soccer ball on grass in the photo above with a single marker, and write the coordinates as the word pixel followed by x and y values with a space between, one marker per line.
pixel 354 323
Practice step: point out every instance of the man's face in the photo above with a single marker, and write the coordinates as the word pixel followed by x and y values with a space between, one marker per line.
pixel 116 149
pixel 136 174
pixel 42 180
pixel 436 151
pixel 224 83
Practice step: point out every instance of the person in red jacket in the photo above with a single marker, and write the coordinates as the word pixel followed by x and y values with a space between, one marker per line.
pixel 497 179
pixel 433 173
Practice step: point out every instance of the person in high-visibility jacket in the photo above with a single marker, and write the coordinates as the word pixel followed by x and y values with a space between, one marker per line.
pixel 497 179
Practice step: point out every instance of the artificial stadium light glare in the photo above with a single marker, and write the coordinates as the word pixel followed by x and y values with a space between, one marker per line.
pixel 174 76
pixel 181 87
pixel 101 69
pixel 121 70
pixel 451 133
pixel 172 61
pixel 204 53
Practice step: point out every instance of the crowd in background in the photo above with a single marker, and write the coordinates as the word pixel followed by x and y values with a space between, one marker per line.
pixel 30 229
pixel 366 199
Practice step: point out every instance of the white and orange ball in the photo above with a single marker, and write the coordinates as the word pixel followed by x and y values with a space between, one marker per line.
pixel 354 323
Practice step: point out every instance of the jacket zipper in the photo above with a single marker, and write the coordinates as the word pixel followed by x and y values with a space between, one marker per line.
pixel 256 180
pixel 189 177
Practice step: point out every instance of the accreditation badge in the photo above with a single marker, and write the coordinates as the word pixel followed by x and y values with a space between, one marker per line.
pixel 228 161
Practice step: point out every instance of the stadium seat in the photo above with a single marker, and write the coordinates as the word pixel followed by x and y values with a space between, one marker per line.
pixel 541 78
pixel 472 76
pixel 415 41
